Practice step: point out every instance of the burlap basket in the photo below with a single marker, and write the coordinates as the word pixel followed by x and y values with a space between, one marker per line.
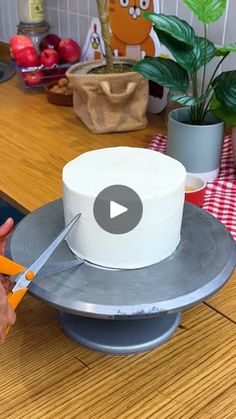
pixel 109 102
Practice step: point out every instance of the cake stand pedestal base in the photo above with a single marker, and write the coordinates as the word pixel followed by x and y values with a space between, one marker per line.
pixel 120 336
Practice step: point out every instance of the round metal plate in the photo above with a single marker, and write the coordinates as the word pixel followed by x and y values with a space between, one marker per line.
pixel 201 264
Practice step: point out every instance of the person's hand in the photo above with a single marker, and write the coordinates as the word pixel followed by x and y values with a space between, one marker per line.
pixel 5 230
pixel 7 315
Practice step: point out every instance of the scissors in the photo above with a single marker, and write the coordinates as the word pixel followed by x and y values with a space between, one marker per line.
pixel 25 275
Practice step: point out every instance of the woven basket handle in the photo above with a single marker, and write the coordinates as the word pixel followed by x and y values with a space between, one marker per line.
pixel 117 97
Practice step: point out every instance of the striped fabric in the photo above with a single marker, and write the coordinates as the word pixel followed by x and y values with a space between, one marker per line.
pixel 220 197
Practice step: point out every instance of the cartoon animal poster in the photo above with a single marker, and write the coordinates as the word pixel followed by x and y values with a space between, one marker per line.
pixel 131 34
pixel 94 46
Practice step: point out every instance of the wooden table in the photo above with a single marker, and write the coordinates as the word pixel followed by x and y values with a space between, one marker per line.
pixel 43 374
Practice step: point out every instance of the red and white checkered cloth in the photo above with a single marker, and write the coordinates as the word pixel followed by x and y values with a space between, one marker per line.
pixel 220 197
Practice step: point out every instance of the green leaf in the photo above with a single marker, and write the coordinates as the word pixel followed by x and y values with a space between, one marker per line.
pixel 172 25
pixel 199 51
pixel 187 100
pixel 225 89
pixel 163 71
pixel 229 117
pixel 178 50
pixel 208 11
pixel 226 49
pixel 190 60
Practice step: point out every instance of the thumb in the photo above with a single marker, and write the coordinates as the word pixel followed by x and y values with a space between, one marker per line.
pixel 11 318
pixel 6 227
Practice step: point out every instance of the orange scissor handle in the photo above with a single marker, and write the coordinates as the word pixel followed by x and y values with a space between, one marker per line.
pixel 8 267
pixel 14 299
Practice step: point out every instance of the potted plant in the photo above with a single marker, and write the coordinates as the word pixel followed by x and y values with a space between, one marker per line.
pixel 195 134
pixel 108 95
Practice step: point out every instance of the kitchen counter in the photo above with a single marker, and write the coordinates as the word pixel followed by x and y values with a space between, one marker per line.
pixel 46 375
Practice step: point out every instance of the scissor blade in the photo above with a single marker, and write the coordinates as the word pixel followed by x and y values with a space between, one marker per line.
pixel 22 282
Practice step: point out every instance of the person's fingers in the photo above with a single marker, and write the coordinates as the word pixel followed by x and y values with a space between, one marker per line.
pixel 6 227
pixel 5 230
pixel 2 279
pixel 3 324
pixel 8 319
pixel 6 283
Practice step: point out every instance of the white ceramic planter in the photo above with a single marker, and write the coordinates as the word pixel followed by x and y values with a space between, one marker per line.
pixel 157 104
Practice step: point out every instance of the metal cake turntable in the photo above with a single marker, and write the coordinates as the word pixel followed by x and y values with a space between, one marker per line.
pixel 126 311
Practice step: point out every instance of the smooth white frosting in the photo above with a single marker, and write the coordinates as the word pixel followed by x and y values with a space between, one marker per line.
pixel 159 181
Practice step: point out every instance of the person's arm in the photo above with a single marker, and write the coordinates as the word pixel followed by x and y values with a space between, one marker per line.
pixel 7 315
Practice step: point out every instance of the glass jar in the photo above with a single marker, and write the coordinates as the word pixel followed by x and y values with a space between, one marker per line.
pixel 34 31
pixel 31 11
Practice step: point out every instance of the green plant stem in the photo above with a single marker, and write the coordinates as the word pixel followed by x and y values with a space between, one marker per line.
pixel 205 59
pixel 206 107
pixel 201 111
pixel 194 84
pixel 193 110
pixel 200 107
pixel 215 71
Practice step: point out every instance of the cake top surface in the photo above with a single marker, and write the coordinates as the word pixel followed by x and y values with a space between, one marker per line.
pixel 146 171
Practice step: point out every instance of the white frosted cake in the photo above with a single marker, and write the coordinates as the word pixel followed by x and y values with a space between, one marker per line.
pixel 159 181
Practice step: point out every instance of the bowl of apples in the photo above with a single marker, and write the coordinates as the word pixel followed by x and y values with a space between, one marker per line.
pixel 50 63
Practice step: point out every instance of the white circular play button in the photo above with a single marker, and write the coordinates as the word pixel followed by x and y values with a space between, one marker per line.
pixel 118 209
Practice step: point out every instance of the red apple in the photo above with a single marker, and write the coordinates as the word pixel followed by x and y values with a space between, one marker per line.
pixel 33 78
pixel 49 57
pixel 49 41
pixel 27 57
pixel 18 42
pixel 69 50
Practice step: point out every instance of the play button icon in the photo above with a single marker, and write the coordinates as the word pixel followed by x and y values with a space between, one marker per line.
pixel 118 209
